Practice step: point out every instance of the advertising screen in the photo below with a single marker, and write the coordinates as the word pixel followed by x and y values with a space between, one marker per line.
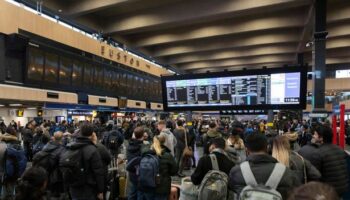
pixel 259 89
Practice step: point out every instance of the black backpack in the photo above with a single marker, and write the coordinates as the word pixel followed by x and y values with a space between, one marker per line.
pixel 113 142
pixel 72 167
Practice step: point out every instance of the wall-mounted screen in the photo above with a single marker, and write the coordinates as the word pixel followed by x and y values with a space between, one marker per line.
pixel 259 89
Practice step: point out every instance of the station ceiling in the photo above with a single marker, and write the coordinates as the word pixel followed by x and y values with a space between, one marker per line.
pixel 200 35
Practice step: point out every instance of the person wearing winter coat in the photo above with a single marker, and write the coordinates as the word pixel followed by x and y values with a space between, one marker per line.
pixel 328 158
pixel 211 134
pixel 262 165
pixel 304 170
pixel 170 140
pixel 167 168
pixel 217 148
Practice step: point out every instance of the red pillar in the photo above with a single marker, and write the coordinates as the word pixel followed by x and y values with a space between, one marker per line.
pixel 342 126
pixel 334 126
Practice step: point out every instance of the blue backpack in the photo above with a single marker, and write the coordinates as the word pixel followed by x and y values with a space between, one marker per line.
pixel 148 173
pixel 15 162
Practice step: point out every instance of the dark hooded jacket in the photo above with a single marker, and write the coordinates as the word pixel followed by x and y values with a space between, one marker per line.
pixel 94 171
pixel 167 168
pixel 133 156
pixel 262 166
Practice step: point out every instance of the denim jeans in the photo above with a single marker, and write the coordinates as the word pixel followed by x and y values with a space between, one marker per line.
pixel 134 194
pixel 152 196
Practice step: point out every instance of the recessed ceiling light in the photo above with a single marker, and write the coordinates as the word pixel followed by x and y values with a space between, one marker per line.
pixel 2 105
pixel 16 104
pixel 31 108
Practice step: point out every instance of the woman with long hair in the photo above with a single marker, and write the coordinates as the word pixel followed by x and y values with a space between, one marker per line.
pixel 167 168
pixel 303 168
pixel 32 185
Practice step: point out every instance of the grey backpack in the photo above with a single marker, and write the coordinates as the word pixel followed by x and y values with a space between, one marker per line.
pixel 214 186
pixel 255 191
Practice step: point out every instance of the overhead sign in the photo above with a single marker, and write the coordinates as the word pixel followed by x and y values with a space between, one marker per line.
pixel 318 115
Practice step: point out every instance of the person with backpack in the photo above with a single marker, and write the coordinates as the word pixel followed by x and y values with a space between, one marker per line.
pixel 304 170
pixel 48 158
pixel 170 140
pixel 133 155
pixel 205 164
pixel 328 158
pixel 40 139
pixel 211 134
pixel 261 174
pixel 12 160
pixel 113 140
pixel 32 185
pixel 155 171
pixel 82 168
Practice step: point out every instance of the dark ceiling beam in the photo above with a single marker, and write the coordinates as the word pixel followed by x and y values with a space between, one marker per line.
pixel 271 22
pixel 238 61
pixel 233 53
pixel 194 12
pixel 80 8
pixel 240 41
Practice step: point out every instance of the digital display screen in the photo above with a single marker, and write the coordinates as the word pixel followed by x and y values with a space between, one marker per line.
pixel 265 90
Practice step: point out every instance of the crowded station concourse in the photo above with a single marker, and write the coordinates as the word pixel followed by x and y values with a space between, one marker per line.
pixel 174 100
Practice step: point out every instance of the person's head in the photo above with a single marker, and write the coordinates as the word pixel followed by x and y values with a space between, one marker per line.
pixel 314 191
pixel 322 134
pixel 256 143
pixel 212 125
pixel 31 124
pixel 38 130
pixel 158 141
pixel 161 125
pixel 139 133
pixel 33 184
pixel 10 130
pixel 169 125
pixel 281 149
pixel 217 143
pixel 305 127
pixel 57 136
pixel 180 123
pixel 86 130
pixel 236 131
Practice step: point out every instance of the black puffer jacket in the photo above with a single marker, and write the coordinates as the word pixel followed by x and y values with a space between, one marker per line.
pixel 334 167
pixel 167 168
pixel 297 164
pixel 204 166
pixel 262 166
pixel 311 152
pixel 93 166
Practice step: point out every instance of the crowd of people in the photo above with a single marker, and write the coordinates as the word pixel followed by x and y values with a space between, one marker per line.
pixel 137 160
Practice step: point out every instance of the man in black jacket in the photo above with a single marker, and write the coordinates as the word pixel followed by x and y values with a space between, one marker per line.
pixel 133 154
pixel 216 147
pixel 328 158
pixel 261 165
pixel 54 149
pixel 27 137
pixel 94 172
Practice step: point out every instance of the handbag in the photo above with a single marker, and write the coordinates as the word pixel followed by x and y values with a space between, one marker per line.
pixel 188 152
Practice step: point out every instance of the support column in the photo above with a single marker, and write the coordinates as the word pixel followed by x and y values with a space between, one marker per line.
pixel 319 57
pixel 270 116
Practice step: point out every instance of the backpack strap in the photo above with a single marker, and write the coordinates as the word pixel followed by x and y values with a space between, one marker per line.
pixel 214 162
pixel 276 176
pixel 248 174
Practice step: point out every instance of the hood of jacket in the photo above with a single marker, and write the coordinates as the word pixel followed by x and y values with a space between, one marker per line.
pixel 167 131
pixel 213 133
pixel 8 138
pixel 292 136
pixel 80 142
pixel 134 146
pixel 51 146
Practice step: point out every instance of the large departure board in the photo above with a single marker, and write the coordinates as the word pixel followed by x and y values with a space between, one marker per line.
pixel 264 89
